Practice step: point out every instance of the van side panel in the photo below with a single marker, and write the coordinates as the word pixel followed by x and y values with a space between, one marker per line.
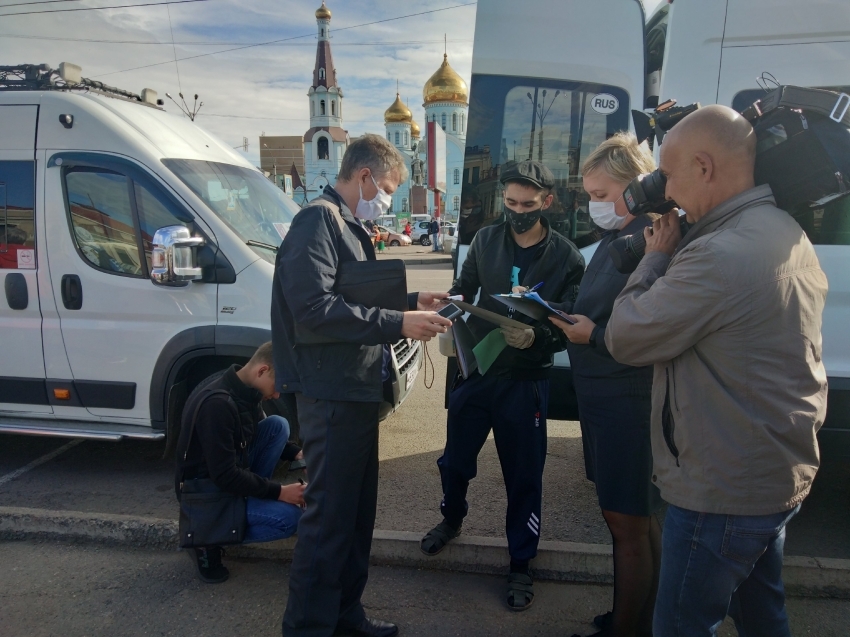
pixel 692 54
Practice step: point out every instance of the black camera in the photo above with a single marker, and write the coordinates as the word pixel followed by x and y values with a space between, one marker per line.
pixel 802 152
pixel 645 193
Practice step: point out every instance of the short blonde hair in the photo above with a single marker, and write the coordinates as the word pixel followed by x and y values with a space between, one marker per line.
pixel 621 157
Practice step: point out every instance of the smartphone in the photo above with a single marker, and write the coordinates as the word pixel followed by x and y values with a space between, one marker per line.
pixel 450 312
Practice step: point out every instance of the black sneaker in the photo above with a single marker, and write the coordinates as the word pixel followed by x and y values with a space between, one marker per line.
pixel 210 568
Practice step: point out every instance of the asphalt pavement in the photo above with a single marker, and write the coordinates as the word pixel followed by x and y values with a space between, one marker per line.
pixel 52 589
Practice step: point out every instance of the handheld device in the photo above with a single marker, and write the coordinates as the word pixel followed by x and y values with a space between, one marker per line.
pixel 450 312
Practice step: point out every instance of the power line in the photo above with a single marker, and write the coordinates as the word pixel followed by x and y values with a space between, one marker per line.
pixel 21 4
pixel 288 119
pixel 213 42
pixel 297 37
pixel 120 6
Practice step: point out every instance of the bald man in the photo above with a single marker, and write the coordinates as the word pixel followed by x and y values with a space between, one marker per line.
pixel 730 316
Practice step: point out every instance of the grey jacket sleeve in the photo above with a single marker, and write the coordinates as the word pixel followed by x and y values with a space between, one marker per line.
pixel 659 315
pixel 307 271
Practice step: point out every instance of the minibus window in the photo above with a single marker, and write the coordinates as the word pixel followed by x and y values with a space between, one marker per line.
pixel 556 122
pixel 254 208
pixel 17 216
pixel 102 220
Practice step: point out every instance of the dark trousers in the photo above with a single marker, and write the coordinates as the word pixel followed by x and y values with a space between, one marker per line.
pixel 516 412
pixel 331 561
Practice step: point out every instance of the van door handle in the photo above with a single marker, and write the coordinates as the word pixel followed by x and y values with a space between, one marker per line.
pixel 72 292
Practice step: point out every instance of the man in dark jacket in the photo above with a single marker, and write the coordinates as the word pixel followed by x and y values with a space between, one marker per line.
pixel 334 356
pixel 235 445
pixel 434 231
pixel 511 397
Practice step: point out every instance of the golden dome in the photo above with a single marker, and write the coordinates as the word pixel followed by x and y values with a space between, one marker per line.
pixel 323 13
pixel 398 112
pixel 445 86
pixel 414 130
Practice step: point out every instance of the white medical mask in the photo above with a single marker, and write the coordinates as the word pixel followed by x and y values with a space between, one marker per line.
pixel 605 216
pixel 374 208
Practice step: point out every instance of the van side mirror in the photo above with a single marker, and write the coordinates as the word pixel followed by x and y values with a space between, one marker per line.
pixel 174 258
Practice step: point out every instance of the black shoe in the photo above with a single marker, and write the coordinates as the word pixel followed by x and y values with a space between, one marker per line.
pixel 210 568
pixel 604 621
pixel 368 628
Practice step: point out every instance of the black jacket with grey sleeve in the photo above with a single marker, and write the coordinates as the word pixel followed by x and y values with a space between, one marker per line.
pixel 348 367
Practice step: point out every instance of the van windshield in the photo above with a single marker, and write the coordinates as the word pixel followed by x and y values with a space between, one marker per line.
pixel 255 209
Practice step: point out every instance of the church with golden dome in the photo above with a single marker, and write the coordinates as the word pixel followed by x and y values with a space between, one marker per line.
pixel 446 102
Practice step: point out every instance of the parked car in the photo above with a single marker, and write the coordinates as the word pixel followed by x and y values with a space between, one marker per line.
pixel 393 238
pixel 420 233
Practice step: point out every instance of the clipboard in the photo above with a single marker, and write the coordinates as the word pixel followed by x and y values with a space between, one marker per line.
pixel 531 304
pixel 492 317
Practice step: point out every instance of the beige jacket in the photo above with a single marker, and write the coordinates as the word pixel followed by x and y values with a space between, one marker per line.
pixel 733 325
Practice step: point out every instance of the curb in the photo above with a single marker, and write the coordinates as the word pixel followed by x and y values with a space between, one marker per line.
pixel 556 561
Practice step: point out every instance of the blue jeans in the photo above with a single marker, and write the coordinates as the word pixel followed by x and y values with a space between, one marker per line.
pixel 269 520
pixel 713 565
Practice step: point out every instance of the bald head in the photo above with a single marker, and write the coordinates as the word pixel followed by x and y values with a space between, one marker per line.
pixel 710 157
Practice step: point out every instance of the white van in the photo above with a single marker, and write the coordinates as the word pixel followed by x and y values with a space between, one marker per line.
pixel 593 62
pixel 137 255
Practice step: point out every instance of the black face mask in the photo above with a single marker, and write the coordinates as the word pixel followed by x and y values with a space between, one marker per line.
pixel 522 222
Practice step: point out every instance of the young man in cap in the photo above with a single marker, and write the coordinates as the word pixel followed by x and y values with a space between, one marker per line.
pixel 511 396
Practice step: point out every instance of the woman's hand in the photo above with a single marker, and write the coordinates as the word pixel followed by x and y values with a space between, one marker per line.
pixel 293 494
pixel 578 333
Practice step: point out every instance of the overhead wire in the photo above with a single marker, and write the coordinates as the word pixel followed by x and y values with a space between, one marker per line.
pixel 297 37
pixel 214 42
pixel 120 6
pixel 23 4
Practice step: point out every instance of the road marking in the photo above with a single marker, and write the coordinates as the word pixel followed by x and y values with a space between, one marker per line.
pixel 38 461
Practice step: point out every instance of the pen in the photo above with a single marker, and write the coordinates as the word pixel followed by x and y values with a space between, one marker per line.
pixel 536 287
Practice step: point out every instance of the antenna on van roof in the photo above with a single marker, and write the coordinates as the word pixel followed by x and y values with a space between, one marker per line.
pixel 190 113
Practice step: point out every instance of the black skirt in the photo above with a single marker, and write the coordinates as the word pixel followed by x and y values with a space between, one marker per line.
pixel 618 452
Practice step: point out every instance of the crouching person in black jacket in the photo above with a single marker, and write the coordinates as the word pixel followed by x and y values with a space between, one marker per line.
pixel 510 396
pixel 237 446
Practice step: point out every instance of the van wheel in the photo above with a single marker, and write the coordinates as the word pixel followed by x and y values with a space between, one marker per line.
pixel 394 243
pixel 283 406
pixel 424 240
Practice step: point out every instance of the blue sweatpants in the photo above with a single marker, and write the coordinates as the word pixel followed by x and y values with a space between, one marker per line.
pixel 516 412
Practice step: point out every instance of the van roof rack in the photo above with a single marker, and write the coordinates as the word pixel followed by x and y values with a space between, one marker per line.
pixel 40 77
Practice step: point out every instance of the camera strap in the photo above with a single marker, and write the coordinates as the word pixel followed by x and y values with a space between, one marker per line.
pixel 835 106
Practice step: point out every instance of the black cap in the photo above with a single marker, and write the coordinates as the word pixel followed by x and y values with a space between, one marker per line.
pixel 531 171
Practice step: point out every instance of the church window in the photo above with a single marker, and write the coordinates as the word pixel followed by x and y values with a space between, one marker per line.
pixel 323 33
pixel 456 204
pixel 312 108
pixel 462 122
pixel 396 138
pixel 322 107
pixel 404 204
pixel 457 176
pixel 454 122
pixel 406 142
pixel 389 137
pixel 322 73
pixel 443 121
pixel 333 107
pixel 322 148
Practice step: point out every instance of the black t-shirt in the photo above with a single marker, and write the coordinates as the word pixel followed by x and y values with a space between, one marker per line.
pixel 522 260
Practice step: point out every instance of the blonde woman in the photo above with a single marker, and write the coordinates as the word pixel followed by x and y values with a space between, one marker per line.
pixel 614 399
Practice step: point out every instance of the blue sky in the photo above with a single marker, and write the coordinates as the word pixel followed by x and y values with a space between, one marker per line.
pixel 264 86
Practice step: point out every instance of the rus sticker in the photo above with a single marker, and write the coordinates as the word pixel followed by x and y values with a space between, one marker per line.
pixel 26 259
pixel 604 103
